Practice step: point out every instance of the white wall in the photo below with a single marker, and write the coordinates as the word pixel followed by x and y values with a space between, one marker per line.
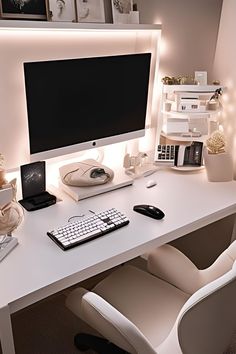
pixel 189 31
pixel 225 70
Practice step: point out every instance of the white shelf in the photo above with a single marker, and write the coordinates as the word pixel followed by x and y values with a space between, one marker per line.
pixel 184 139
pixel 184 114
pixel 49 25
pixel 201 120
pixel 190 88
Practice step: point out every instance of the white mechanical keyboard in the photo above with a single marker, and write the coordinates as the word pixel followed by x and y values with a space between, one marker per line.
pixel 75 233
pixel 166 153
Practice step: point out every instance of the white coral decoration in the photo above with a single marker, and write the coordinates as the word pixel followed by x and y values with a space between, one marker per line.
pixel 216 142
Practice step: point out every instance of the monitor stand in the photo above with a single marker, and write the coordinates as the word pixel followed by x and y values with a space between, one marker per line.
pixel 119 180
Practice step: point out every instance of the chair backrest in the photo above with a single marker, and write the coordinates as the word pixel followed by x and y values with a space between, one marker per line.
pixel 207 321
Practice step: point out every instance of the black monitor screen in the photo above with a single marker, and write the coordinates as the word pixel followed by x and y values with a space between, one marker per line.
pixel 73 101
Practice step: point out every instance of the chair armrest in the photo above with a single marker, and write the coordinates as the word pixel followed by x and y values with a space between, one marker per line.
pixel 109 322
pixel 168 263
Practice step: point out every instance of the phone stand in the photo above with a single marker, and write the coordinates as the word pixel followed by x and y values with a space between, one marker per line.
pixel 33 183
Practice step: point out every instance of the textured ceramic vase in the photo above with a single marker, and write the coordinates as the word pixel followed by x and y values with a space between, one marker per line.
pixel 219 167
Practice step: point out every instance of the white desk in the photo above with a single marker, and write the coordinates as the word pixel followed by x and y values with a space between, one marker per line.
pixel 37 267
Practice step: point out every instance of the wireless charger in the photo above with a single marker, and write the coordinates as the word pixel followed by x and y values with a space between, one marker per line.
pixel 33 184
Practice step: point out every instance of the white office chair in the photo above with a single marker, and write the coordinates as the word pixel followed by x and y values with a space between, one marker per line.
pixel 173 308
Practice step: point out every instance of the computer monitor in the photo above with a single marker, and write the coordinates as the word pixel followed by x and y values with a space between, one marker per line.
pixel 78 104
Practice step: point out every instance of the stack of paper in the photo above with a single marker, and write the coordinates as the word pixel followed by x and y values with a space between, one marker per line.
pixel 7 243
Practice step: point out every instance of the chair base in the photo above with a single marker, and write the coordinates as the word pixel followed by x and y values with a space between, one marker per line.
pixel 85 342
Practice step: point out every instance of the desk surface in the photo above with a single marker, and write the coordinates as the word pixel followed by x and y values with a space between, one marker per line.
pixel 37 267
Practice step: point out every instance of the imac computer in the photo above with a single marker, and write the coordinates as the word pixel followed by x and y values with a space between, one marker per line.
pixel 83 103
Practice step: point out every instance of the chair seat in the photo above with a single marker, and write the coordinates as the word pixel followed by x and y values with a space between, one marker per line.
pixel 158 318
pixel 141 313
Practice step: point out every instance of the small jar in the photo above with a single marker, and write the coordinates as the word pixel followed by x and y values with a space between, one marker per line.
pixel 212 105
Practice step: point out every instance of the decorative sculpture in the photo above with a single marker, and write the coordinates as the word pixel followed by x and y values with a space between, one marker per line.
pixel 216 143
pixel 11 213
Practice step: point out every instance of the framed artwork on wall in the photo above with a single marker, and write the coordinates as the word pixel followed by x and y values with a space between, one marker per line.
pixel 62 10
pixel 24 9
pixel 121 10
pixel 90 11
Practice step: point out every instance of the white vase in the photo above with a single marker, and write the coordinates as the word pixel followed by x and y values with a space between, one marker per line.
pixel 219 167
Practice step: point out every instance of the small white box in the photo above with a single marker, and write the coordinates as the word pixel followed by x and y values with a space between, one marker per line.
pixel 176 126
pixel 189 105
pixel 201 77
pixel 179 96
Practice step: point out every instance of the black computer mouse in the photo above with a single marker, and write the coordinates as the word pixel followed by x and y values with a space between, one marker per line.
pixel 149 210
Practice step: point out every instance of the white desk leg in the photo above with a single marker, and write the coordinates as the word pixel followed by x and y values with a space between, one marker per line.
pixel 6 334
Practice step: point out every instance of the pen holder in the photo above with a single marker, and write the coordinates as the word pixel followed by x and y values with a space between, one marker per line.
pixel 219 167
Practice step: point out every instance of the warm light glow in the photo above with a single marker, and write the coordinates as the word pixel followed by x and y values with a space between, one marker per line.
pixel 230 108
pixel 158 20
pixel 67 34
pixel 223 114
pixel 229 84
pixel 114 155
pixel 225 97
pixel 228 129
pixel 234 141
pixel 146 143
pixel 164 48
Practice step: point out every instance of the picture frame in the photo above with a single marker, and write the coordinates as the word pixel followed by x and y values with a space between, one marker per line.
pixel 121 10
pixel 62 10
pixel 24 9
pixel 90 11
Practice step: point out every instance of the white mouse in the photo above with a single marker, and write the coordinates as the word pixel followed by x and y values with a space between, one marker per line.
pixel 151 183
